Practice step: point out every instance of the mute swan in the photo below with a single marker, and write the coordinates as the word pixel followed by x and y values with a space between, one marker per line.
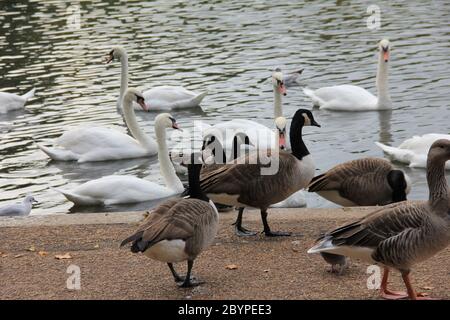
pixel 354 98
pixel 414 151
pixel 19 209
pixel 158 98
pixel 11 101
pixel 117 189
pixel 85 144
pixel 259 135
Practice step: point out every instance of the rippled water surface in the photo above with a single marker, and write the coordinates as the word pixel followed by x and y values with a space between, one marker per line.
pixel 226 47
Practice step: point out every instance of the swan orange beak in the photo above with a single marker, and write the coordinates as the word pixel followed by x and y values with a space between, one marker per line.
pixel 175 126
pixel 282 89
pixel 282 141
pixel 143 105
pixel 386 56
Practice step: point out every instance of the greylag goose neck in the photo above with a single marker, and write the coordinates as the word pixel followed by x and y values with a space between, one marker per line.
pixel 179 229
pixel 251 183
pixel 362 182
pixel 402 234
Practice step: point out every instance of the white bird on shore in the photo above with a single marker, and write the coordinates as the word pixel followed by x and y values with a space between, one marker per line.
pixel 11 101
pixel 18 209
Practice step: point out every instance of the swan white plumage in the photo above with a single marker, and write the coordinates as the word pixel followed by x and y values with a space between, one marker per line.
pixel 85 143
pixel 414 151
pixel 118 189
pixel 158 98
pixel 259 135
pixel 11 101
pixel 354 98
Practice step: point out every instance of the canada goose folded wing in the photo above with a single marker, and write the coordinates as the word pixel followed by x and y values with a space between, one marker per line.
pixel 360 171
pixel 173 220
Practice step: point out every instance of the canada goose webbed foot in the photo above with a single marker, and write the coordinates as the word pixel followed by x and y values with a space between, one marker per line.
pixel 243 232
pixel 191 282
pixel 269 233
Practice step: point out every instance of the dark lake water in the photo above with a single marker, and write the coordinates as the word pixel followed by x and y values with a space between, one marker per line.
pixel 226 47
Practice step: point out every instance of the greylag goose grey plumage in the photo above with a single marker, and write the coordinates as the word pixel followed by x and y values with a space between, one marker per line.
pixel 402 234
pixel 251 183
pixel 179 229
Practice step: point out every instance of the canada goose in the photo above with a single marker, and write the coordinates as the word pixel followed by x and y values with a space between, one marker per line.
pixel 250 183
pixel 362 182
pixel 179 229
pixel 401 234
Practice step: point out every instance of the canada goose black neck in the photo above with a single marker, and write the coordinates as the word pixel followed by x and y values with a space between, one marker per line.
pixel 298 147
pixel 194 169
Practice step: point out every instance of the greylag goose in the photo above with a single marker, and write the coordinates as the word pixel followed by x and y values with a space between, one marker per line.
pixel 179 229
pixel 402 234
pixel 250 182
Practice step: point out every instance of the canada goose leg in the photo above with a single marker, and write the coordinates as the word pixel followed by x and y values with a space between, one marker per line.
pixel 389 294
pixel 267 230
pixel 174 273
pixel 239 229
pixel 413 295
pixel 188 281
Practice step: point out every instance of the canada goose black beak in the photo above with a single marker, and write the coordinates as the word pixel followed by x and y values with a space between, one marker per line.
pixel 314 123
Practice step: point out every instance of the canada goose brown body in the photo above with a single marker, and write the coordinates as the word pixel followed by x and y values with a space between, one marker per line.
pixel 402 234
pixel 178 229
pixel 243 183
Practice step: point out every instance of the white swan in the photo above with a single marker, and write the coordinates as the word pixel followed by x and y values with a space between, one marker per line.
pixel 354 98
pixel 158 98
pixel 259 135
pixel 85 143
pixel 414 151
pixel 117 189
pixel 11 101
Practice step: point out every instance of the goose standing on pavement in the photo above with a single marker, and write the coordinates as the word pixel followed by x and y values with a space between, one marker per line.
pixel 250 183
pixel 402 234
pixel 179 229
pixel 18 209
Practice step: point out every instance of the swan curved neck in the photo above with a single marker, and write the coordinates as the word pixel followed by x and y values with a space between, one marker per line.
pixel 133 126
pixel 277 103
pixel 439 197
pixel 167 170
pixel 298 147
pixel 123 77
pixel 384 99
